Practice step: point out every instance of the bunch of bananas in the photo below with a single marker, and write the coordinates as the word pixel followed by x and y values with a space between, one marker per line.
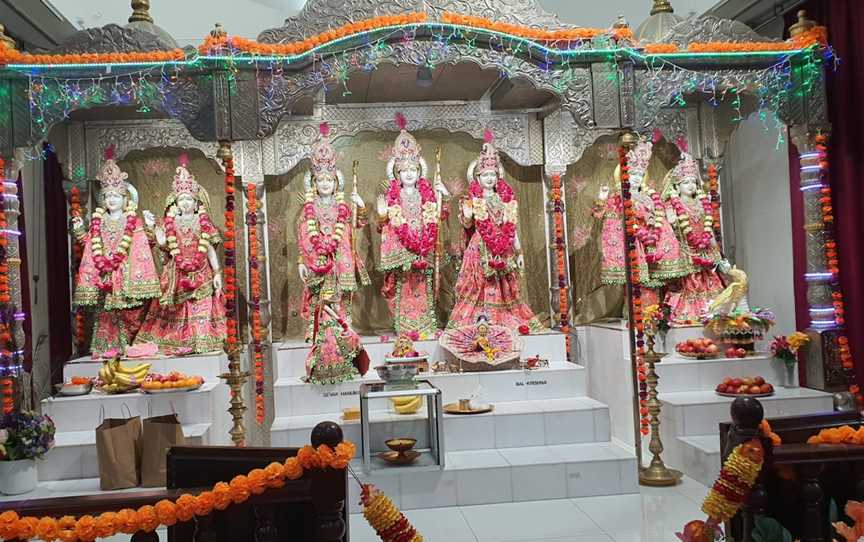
pixel 117 378
pixel 407 404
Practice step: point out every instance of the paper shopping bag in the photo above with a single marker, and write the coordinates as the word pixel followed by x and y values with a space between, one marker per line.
pixel 118 452
pixel 160 434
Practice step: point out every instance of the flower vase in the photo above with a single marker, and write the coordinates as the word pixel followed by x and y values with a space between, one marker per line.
pixel 17 477
pixel 789 380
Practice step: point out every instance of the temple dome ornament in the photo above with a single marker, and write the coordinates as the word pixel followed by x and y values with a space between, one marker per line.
pixel 658 24
pixel 140 35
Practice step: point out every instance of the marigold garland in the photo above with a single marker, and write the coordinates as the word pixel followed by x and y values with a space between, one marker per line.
pixel 390 524
pixel 570 34
pixel 561 260
pixel 714 197
pixel 735 482
pixel 817 35
pixel 77 254
pixel 9 55
pixel 230 282
pixel 256 348
pixel 637 317
pixel 214 44
pixel 7 383
pixel 838 435
pixel 166 513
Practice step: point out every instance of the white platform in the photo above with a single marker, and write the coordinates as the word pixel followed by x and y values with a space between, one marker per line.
pixel 202 412
pixel 692 411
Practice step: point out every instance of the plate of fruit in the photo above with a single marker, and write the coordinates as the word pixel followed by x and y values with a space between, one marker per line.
pixel 77 385
pixel 750 386
pixel 172 382
pixel 701 348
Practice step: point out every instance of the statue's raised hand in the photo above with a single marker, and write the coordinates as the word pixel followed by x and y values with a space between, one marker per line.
pixel 149 220
pixel 603 195
pixel 382 206
pixel 358 201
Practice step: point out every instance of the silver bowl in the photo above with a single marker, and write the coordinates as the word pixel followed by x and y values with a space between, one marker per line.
pixel 71 390
pixel 396 372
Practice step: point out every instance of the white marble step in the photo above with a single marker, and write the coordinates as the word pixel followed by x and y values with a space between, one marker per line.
pixel 700 456
pixel 291 355
pixel 678 374
pixel 209 366
pixel 293 397
pixel 510 475
pixel 74 453
pixel 85 412
pixel 511 425
pixel 694 413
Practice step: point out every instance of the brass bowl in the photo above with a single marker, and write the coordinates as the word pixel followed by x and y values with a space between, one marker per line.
pixel 401 445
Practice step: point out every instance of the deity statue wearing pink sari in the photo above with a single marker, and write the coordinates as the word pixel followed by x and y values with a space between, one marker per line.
pixel 410 212
pixel 329 266
pixel 492 264
pixel 691 213
pixel 117 277
pixel 190 317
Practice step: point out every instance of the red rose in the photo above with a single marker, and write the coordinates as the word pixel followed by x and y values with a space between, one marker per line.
pixel 524 329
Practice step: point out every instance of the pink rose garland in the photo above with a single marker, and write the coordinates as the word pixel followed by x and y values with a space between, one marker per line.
pixel 325 246
pixel 499 239
pixel 423 242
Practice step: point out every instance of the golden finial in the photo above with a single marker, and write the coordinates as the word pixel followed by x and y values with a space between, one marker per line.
pixel 803 25
pixel 140 12
pixel 662 6
pixel 5 41
pixel 218 31
pixel 621 22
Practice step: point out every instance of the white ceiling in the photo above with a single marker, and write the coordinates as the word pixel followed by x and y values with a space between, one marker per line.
pixel 190 20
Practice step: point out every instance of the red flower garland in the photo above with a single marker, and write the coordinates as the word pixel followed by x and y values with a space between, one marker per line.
pixel 326 246
pixel 698 241
pixel 7 383
pixel 423 242
pixel 561 260
pixel 714 194
pixel 108 264
pixel 230 286
pixel 256 348
pixel 499 239
pixel 77 253
pixel 649 234
pixel 630 230
pixel 188 265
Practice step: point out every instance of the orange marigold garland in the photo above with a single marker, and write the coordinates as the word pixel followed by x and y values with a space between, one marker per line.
pixel 838 435
pixel 570 34
pixel 817 35
pixel 256 348
pixel 561 259
pixel 7 355
pixel 77 253
pixel 714 197
pixel 13 56
pixel 166 513
pixel 390 524
pixel 230 284
pixel 635 293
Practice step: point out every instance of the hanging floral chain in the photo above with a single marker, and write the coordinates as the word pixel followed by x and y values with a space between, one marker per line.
pixel 561 259
pixel 422 242
pixel 166 513
pixel 229 270
pixel 256 348
pixel 108 263
pixel 636 318
pixel 77 254
pixel 832 262
pixel 714 198
pixel 325 246
pixel 7 383
pixel 188 265
pixel 389 523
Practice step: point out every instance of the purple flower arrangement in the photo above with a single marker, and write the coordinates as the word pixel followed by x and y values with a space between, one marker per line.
pixel 25 435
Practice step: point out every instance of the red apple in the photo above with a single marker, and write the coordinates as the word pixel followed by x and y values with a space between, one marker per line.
pixel 765 388
pixel 741 352
pixel 727 380
pixel 744 390
pixel 770 388
pixel 730 352
pixel 712 349
pixel 759 380
pixel 721 388
pixel 736 382
pixel 755 389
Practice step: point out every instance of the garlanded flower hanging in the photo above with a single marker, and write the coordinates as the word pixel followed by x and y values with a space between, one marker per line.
pixel 556 197
pixel 325 246
pixel 184 264
pixel 714 195
pixel 108 263
pixel 389 523
pixel 421 242
pixel 257 347
pixel 697 241
pixel 230 285
pixel 499 239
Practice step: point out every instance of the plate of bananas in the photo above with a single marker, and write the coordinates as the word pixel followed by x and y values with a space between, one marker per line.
pixel 118 378
pixel 408 404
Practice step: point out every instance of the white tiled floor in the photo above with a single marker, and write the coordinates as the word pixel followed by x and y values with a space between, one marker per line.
pixel 654 515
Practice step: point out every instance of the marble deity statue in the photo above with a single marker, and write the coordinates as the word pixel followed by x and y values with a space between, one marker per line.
pixel 117 276
pixel 337 354
pixel 325 232
pixel 410 212
pixel 658 256
pixel 492 264
pixel 690 212
pixel 190 317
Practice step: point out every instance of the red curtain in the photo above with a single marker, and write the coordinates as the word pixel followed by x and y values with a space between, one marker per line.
pixel 57 255
pixel 845 22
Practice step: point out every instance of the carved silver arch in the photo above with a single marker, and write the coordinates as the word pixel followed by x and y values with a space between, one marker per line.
pixel 321 15
pixel 518 135
pixel 708 28
pixel 278 94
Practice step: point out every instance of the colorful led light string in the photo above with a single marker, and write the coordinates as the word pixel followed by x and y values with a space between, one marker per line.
pixel 636 317
pixel 256 349
pixel 10 356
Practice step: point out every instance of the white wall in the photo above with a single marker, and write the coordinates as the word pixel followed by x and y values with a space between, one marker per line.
pixel 603 14
pixel 756 193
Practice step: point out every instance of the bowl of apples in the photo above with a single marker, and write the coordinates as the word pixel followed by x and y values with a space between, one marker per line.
pixel 736 352
pixel 172 382
pixel 701 348
pixel 751 386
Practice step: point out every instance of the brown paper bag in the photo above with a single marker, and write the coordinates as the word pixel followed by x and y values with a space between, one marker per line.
pixel 160 434
pixel 118 451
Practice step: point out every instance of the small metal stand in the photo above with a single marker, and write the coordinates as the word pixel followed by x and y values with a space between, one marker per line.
pixel 657 474
pixel 432 455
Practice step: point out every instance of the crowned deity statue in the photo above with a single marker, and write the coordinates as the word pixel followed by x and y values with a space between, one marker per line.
pixel 691 213
pixel 117 276
pixel 190 317
pixel 328 263
pixel 658 256
pixel 410 213
pixel 492 264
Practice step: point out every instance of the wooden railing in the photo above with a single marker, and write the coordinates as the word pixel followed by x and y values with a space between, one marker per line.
pixel 311 508
pixel 798 481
